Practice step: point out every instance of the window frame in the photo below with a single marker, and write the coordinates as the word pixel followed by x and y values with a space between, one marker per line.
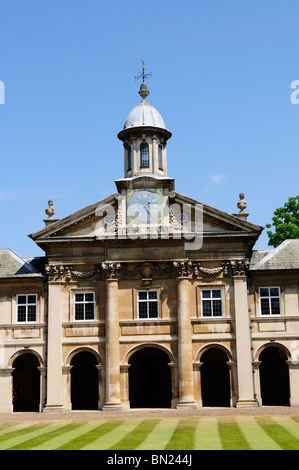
pixel 160 157
pixel 148 301
pixel 211 300
pixel 268 315
pixel 26 305
pixel 84 302
pixel 145 146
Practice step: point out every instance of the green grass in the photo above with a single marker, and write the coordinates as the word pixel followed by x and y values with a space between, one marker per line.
pixel 194 433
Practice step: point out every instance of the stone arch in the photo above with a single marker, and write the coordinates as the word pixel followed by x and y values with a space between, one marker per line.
pixel 150 384
pixel 213 345
pixel 216 384
pixel 75 351
pixel 148 345
pixel 26 351
pixel 26 380
pixel 274 374
pixel 275 345
pixel 84 387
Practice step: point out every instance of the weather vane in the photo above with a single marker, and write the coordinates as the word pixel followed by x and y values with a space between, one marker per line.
pixel 143 74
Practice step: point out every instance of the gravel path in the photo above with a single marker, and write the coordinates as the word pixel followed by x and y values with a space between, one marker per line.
pixel 150 413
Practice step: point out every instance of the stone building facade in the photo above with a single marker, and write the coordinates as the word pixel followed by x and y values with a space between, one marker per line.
pixel 149 298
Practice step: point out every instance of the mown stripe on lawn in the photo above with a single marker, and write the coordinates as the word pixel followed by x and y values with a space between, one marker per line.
pixel 255 435
pixel 112 437
pixel 87 438
pixel 277 432
pixel 132 440
pixel 160 436
pixel 287 423
pixel 183 436
pixel 41 440
pixel 207 434
pixel 20 439
pixel 62 436
pixel 231 435
pixel 21 429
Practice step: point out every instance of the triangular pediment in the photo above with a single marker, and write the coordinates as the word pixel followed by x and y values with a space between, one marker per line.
pixel 107 219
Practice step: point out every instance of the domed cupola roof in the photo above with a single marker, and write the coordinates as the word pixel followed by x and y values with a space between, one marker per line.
pixel 144 116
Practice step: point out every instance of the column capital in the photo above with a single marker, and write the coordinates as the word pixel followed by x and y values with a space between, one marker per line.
pixel 183 269
pixel 111 270
pixel 239 267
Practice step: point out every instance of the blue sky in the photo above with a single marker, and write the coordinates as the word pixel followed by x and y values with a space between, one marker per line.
pixel 222 74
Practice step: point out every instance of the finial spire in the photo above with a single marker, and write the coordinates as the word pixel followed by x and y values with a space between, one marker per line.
pixel 143 92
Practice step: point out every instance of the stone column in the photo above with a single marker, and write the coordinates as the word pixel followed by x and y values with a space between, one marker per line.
pixel 54 350
pixel 112 401
pixel 185 360
pixel 6 405
pixel 294 382
pixel 246 396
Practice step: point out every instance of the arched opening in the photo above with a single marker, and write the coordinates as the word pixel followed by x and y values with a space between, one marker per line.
pixel 149 379
pixel 274 377
pixel 84 381
pixel 26 383
pixel 215 381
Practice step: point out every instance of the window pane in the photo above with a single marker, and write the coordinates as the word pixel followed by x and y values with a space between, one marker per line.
pixel 31 299
pixel 142 295
pixel 89 297
pixel 206 294
pixel 22 313
pixel 21 299
pixel 274 291
pixel 264 292
pixel 89 311
pixel 275 308
pixel 143 310
pixel 79 297
pixel 265 307
pixel 217 308
pixel 31 313
pixel 153 309
pixel 216 294
pixel 79 312
pixel 207 308
pixel 144 155
pixel 153 295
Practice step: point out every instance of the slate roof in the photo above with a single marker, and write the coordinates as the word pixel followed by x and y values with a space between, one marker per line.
pixel 12 265
pixel 285 256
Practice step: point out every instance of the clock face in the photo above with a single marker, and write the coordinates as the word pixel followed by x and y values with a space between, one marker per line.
pixel 144 206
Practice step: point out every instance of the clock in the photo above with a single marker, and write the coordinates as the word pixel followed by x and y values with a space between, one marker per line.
pixel 144 206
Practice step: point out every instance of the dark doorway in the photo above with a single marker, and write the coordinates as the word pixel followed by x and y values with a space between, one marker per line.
pixel 84 382
pixel 149 379
pixel 274 377
pixel 215 381
pixel 26 383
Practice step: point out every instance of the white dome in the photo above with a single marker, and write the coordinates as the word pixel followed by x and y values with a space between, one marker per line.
pixel 144 115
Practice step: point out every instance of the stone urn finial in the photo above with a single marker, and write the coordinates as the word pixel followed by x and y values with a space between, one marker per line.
pixel 242 204
pixel 50 210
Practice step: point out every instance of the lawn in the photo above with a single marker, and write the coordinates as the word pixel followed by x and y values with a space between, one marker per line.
pixel 196 433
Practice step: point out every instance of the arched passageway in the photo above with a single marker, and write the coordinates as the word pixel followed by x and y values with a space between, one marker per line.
pixel 215 380
pixel 26 383
pixel 149 379
pixel 84 381
pixel 274 377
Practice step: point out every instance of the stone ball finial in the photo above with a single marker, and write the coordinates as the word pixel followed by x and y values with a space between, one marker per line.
pixel 242 204
pixel 50 210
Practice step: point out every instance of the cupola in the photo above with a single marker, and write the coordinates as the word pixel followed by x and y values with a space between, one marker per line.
pixel 144 136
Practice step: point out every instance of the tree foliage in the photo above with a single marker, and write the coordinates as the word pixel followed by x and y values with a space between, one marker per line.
pixel 285 222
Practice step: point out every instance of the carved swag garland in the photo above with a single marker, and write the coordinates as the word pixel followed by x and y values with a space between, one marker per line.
pixel 146 271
